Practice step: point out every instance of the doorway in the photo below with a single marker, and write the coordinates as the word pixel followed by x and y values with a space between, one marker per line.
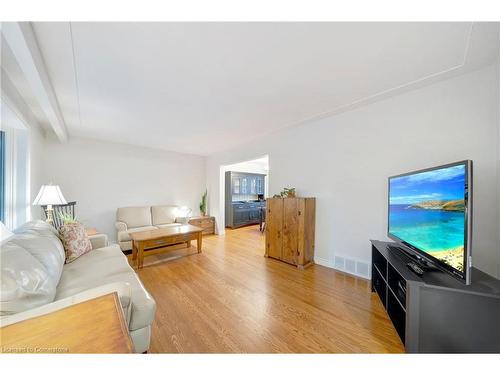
pixel 244 191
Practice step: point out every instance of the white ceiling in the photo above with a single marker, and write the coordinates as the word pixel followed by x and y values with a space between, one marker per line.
pixel 203 87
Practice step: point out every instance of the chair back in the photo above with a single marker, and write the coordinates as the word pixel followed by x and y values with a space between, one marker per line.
pixel 65 209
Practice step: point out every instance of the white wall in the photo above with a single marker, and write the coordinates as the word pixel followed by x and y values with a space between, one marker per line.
pixel 103 176
pixel 344 161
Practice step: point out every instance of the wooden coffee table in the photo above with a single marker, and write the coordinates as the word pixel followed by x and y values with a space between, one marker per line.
pixel 160 239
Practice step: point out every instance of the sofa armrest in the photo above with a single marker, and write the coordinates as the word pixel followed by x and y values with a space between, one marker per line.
pixel 98 241
pixel 121 226
pixel 122 289
pixel 181 220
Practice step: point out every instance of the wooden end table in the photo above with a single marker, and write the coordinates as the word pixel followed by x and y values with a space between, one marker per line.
pixel 207 223
pixel 91 231
pixel 161 239
pixel 93 326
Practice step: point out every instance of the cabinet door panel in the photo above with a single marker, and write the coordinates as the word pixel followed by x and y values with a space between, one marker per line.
pixel 274 227
pixel 236 182
pixel 253 185
pixel 254 215
pixel 244 185
pixel 307 213
pixel 241 217
pixel 290 230
pixel 258 183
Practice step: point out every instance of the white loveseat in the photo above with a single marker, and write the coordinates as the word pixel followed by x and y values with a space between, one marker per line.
pixel 35 280
pixel 136 219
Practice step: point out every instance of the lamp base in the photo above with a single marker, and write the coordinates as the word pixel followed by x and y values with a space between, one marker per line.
pixel 50 217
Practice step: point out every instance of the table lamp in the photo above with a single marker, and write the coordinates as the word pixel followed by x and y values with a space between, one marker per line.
pixel 48 196
pixel 182 214
pixel 185 211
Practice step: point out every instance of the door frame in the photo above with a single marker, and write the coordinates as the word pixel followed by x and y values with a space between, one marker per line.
pixel 221 227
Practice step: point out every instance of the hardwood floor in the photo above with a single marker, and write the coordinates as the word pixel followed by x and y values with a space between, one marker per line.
pixel 230 299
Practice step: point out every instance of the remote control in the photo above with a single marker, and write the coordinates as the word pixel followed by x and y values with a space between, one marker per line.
pixel 419 271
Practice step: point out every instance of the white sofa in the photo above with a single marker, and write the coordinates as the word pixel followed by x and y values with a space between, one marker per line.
pixel 35 280
pixel 136 219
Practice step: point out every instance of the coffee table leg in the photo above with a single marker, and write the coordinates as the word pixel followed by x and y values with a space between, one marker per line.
pixel 140 260
pixel 134 252
pixel 198 242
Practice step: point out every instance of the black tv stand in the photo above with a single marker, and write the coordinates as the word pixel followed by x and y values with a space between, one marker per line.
pixel 423 263
pixel 415 268
pixel 436 313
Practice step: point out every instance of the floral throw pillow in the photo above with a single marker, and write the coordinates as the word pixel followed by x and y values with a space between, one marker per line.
pixel 75 240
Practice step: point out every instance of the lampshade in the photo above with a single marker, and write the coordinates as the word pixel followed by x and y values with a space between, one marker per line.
pixel 49 194
pixel 185 211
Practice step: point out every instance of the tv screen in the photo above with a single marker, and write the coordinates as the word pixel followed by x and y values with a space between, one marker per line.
pixel 429 212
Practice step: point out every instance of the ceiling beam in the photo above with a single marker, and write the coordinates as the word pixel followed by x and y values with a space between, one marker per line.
pixel 21 40
pixel 12 102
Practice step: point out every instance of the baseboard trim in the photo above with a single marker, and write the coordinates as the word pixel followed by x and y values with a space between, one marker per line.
pixel 340 266
pixel 323 262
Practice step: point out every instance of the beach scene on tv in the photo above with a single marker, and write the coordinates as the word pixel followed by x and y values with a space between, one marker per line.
pixel 426 210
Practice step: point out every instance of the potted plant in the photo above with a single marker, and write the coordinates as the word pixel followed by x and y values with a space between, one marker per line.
pixel 67 218
pixel 203 204
pixel 286 193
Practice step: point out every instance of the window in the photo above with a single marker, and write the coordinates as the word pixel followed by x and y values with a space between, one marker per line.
pixel 2 176
pixel 14 176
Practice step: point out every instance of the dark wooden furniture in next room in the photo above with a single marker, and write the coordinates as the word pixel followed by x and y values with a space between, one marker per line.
pixel 244 198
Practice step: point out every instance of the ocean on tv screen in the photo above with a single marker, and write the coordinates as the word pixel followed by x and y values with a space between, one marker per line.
pixel 426 210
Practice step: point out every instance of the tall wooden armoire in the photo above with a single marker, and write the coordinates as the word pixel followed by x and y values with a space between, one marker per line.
pixel 290 230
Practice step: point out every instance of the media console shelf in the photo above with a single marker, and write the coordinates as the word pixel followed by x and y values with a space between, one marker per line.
pixel 436 313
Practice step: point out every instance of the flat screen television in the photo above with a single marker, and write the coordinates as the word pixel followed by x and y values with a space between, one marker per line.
pixel 430 213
